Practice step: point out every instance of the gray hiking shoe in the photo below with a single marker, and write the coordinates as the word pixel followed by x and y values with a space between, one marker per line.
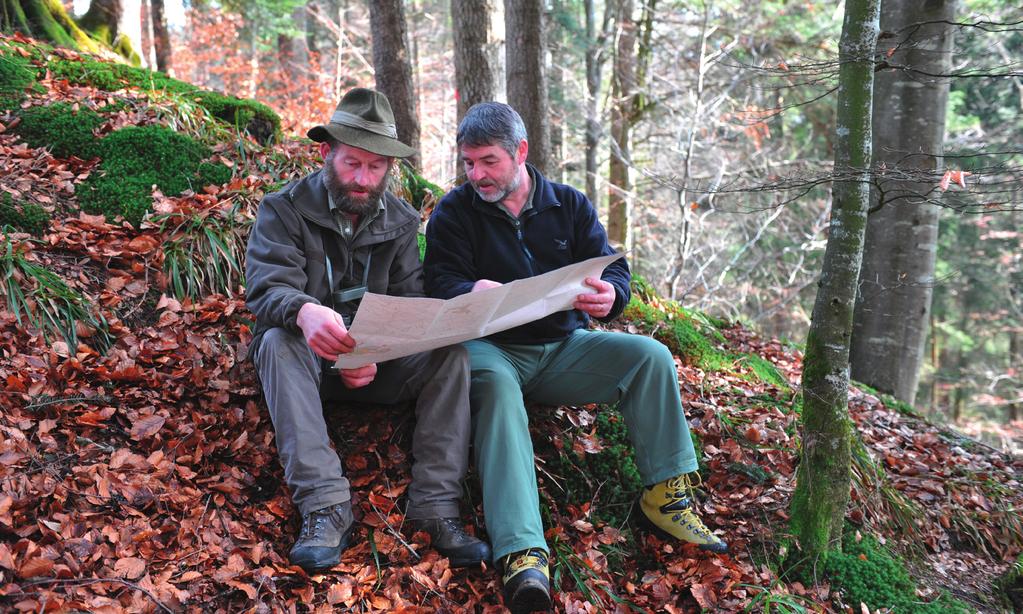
pixel 325 534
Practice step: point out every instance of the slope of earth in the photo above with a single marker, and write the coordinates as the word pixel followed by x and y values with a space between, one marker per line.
pixel 138 466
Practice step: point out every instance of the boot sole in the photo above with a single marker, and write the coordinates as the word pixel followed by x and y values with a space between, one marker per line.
pixel 530 596
pixel 645 524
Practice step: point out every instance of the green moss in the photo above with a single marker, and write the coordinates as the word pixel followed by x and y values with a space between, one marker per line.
pixel 416 189
pixel 64 131
pixel 681 332
pixel 866 573
pixel 15 78
pixel 256 118
pixel 1010 585
pixel 138 157
pixel 421 238
pixel 23 216
pixel 608 479
pixel 762 369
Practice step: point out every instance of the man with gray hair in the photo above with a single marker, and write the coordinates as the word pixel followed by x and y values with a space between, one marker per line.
pixel 317 247
pixel 510 222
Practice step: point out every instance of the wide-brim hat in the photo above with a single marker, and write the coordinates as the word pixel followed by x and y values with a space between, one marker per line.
pixel 364 119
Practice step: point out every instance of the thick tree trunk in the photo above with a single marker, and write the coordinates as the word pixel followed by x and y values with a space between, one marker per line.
pixel 292 52
pixel 46 20
pixel 623 85
pixel 392 68
pixel 161 37
pixel 594 64
pixel 897 280
pixel 525 49
pixel 823 479
pixel 479 76
pixel 106 20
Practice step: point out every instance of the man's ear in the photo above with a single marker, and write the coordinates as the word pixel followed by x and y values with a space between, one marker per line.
pixel 522 153
pixel 324 150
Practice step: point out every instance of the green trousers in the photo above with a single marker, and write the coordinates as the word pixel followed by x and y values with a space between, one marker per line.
pixel 636 372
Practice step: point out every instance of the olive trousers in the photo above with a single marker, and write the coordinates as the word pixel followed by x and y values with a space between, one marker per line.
pixel 636 372
pixel 295 384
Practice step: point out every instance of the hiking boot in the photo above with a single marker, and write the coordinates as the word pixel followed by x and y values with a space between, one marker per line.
pixel 526 579
pixel 325 534
pixel 449 538
pixel 667 511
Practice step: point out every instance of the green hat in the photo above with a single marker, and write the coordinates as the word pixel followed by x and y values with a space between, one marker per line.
pixel 364 119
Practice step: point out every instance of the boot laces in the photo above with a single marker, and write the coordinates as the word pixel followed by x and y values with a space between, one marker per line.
pixel 316 522
pixel 683 487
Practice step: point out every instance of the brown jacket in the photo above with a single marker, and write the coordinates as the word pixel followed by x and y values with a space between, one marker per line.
pixel 285 259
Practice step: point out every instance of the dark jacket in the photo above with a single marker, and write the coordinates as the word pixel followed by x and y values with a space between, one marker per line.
pixel 468 239
pixel 285 259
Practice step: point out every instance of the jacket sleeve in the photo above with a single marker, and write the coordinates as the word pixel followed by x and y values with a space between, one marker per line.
pixel 406 275
pixel 591 239
pixel 448 267
pixel 275 268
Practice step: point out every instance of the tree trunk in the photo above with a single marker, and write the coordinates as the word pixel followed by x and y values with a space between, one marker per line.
pixel 161 37
pixel 525 49
pixel 477 53
pixel 594 64
pixel 45 20
pixel 632 53
pixel 897 280
pixel 823 478
pixel 105 21
pixel 392 69
pixel 1015 409
pixel 292 52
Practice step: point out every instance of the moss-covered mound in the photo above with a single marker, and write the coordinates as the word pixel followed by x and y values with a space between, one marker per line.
pixel 65 131
pixel 22 216
pixel 15 77
pixel 253 117
pixel 137 158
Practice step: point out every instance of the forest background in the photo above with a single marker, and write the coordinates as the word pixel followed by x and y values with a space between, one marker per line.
pixel 704 133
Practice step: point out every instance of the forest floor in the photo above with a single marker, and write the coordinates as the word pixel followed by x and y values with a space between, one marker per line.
pixel 139 472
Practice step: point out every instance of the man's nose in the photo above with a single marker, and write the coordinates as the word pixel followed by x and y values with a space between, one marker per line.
pixel 474 173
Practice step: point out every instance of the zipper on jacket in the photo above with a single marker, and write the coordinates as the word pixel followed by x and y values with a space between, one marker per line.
pixel 522 243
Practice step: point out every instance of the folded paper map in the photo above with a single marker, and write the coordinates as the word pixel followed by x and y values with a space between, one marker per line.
pixel 387 327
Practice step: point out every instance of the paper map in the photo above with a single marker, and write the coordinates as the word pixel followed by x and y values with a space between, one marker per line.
pixel 388 327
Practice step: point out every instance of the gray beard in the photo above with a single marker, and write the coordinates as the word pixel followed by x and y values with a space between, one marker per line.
pixel 503 194
pixel 340 194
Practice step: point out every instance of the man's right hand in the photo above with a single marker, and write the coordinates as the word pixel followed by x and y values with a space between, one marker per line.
pixel 485 284
pixel 324 331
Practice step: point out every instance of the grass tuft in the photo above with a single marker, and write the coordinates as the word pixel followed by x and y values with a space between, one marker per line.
pixel 204 252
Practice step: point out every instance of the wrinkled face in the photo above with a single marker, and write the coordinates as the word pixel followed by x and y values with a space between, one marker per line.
pixel 355 178
pixel 493 173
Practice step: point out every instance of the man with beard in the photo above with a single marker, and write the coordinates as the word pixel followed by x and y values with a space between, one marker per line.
pixel 316 248
pixel 510 222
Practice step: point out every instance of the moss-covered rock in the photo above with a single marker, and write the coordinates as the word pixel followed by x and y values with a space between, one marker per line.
pixel 257 119
pixel 15 78
pixel 137 158
pixel 65 131
pixel 684 334
pixel 23 216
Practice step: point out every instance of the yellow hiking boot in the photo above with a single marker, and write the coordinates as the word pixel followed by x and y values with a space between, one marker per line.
pixel 667 511
pixel 526 579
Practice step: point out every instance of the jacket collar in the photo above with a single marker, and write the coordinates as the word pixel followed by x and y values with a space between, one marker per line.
pixel 309 197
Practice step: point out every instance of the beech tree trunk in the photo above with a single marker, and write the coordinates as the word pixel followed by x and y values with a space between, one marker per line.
pixel 116 23
pixel 292 52
pixel 392 69
pixel 525 49
pixel 897 281
pixel 479 67
pixel 594 64
pixel 823 477
pixel 632 53
pixel 161 36
pixel 45 20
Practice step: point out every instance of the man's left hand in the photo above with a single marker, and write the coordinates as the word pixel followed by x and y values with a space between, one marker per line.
pixel 597 305
pixel 358 377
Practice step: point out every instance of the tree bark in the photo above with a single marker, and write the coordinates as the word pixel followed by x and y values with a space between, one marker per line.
pixel 897 281
pixel 46 20
pixel 105 21
pixel 161 37
pixel 525 49
pixel 594 65
pixel 632 53
pixel 823 477
pixel 292 52
pixel 478 73
pixel 392 69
